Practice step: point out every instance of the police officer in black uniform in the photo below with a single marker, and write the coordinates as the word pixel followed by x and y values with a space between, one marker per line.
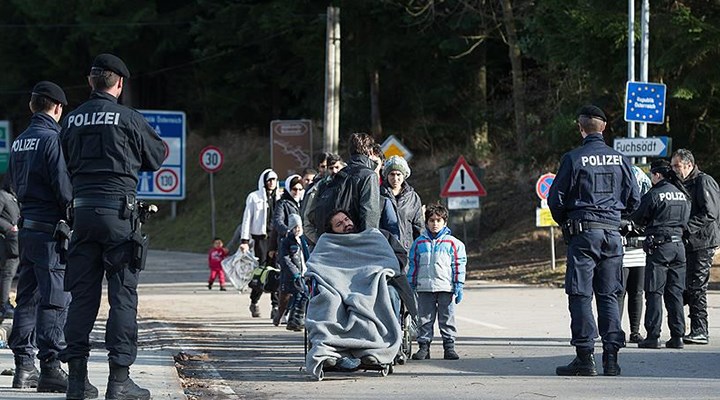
pixel 37 173
pixel 593 186
pixel 105 145
pixel 664 212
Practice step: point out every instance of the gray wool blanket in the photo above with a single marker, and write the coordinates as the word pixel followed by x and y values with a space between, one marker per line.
pixel 351 314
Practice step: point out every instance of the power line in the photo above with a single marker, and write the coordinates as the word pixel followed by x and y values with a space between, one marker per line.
pixel 93 25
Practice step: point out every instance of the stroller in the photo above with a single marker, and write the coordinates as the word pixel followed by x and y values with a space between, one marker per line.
pixel 350 314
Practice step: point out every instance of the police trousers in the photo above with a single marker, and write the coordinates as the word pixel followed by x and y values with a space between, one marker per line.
pixel 665 279
pixel 100 242
pixel 41 301
pixel 594 266
pixel 696 285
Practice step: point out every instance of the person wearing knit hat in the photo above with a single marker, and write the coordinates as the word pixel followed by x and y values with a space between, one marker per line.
pixel 396 163
pixel 292 254
pixel 405 200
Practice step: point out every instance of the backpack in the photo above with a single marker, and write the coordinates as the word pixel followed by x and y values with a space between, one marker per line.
pixel 334 195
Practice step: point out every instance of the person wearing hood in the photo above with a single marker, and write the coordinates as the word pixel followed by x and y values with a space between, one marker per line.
pixel 288 204
pixel 257 225
pixel 404 198
pixel 437 274
pixel 293 252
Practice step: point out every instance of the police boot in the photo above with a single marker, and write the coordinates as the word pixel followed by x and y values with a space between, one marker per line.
pixel 449 350
pixel 610 364
pixel 121 387
pixel 582 365
pixel 52 378
pixel 25 377
pixel 423 353
pixel 79 386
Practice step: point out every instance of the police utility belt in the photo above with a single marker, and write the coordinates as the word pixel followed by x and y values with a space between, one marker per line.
pixel 574 226
pixel 132 252
pixel 61 233
pixel 652 242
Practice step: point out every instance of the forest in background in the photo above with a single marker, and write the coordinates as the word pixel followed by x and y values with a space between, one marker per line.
pixel 490 77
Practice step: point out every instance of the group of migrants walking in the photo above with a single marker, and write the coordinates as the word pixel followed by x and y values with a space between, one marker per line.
pixel 76 174
pixel 628 233
pixel 320 221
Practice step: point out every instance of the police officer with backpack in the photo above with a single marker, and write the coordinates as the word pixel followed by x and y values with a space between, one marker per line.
pixel 106 145
pixel 664 212
pixel 38 175
pixel 593 186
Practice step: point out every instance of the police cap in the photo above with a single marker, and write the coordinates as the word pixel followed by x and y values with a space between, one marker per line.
pixel 592 111
pixel 51 91
pixel 109 62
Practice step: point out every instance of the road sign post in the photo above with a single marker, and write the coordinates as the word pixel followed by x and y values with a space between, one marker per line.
pixel 211 160
pixel 543 218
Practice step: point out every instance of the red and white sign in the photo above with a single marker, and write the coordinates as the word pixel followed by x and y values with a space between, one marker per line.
pixel 462 182
pixel 542 187
pixel 166 180
pixel 211 159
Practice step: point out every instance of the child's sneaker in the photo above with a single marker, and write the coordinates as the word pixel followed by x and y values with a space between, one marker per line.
pixel 222 289
pixel 210 286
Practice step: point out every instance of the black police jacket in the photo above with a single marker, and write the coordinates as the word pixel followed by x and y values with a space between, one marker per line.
pixel 705 212
pixel 37 171
pixel 664 209
pixel 594 183
pixel 106 144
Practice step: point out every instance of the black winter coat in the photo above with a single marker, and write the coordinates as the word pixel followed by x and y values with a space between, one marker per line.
pixel 408 208
pixel 705 212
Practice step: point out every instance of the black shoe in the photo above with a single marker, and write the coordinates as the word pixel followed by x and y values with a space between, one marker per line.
pixel 582 365
pixel 222 289
pixel 254 310
pixel 25 378
pixel 369 360
pixel 209 286
pixel 675 343
pixel 126 390
pixel 649 343
pixel 635 337
pixel 610 364
pixel 449 351
pixel 273 312
pixel 52 380
pixel 423 353
pixel 696 338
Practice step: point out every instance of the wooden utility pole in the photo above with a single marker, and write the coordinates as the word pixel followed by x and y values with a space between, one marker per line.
pixel 332 81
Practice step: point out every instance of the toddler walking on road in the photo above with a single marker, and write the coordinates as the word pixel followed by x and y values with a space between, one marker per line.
pixel 215 256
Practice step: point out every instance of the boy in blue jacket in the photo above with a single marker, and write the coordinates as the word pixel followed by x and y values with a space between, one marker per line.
pixel 437 274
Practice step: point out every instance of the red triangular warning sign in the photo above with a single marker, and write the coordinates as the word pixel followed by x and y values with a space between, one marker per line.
pixel 462 182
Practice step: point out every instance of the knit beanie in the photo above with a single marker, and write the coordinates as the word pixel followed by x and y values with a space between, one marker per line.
pixel 293 221
pixel 396 163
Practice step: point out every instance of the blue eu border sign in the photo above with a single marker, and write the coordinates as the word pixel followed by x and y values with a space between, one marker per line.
pixel 167 183
pixel 645 102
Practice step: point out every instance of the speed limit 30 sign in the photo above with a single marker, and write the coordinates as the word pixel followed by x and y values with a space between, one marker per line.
pixel 211 159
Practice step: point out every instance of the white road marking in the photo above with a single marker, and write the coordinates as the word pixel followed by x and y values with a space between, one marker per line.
pixel 476 322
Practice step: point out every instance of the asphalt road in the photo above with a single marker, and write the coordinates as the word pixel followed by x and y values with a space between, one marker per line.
pixel 511 338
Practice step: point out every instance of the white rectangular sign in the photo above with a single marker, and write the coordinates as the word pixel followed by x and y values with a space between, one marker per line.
pixel 463 203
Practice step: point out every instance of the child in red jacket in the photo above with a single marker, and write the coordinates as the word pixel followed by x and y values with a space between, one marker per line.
pixel 215 256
